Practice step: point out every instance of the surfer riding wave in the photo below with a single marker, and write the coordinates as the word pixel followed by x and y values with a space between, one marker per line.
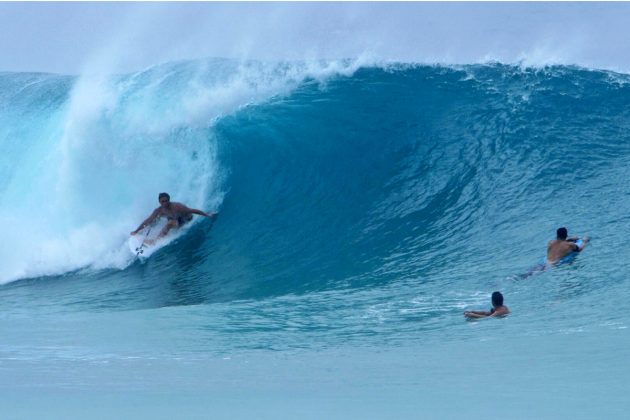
pixel 177 215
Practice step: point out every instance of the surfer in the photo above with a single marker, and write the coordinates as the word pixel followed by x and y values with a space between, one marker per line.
pixel 177 215
pixel 498 308
pixel 562 246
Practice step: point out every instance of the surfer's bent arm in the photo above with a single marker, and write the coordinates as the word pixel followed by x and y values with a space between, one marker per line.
pixel 147 222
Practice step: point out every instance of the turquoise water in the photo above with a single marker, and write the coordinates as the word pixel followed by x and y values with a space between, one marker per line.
pixel 362 210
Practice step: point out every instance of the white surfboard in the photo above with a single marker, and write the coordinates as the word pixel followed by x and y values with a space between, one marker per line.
pixel 138 243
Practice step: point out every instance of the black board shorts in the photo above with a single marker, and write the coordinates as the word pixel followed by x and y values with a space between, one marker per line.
pixel 182 220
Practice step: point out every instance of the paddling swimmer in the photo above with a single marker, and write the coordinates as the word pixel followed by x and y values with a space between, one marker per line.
pixel 562 246
pixel 177 215
pixel 498 309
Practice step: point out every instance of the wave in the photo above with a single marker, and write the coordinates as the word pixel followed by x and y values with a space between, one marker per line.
pixel 327 174
pixel 83 158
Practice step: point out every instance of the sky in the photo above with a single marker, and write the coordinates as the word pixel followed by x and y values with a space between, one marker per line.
pixel 76 37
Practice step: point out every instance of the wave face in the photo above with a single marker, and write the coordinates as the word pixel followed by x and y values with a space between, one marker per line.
pixel 333 177
pixel 415 175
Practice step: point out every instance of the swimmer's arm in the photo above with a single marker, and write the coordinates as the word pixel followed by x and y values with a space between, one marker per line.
pixel 477 314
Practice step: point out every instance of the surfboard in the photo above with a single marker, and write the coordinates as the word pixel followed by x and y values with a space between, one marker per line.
pixel 141 249
pixel 136 245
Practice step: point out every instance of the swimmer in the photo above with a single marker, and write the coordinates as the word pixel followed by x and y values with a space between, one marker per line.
pixel 498 308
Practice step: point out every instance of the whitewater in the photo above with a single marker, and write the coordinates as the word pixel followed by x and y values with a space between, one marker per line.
pixel 363 206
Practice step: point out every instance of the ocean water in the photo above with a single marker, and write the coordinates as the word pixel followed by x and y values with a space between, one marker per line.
pixel 363 208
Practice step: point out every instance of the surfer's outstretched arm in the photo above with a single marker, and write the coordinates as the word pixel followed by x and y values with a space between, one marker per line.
pixel 201 213
pixel 147 222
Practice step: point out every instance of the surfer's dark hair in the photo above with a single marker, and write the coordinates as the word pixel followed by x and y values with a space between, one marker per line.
pixel 162 195
pixel 497 299
pixel 562 233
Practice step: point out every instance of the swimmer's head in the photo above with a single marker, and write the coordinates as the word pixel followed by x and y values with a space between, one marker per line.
pixel 497 299
pixel 562 233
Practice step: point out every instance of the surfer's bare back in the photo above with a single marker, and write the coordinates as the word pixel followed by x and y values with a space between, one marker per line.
pixel 562 246
pixel 177 215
